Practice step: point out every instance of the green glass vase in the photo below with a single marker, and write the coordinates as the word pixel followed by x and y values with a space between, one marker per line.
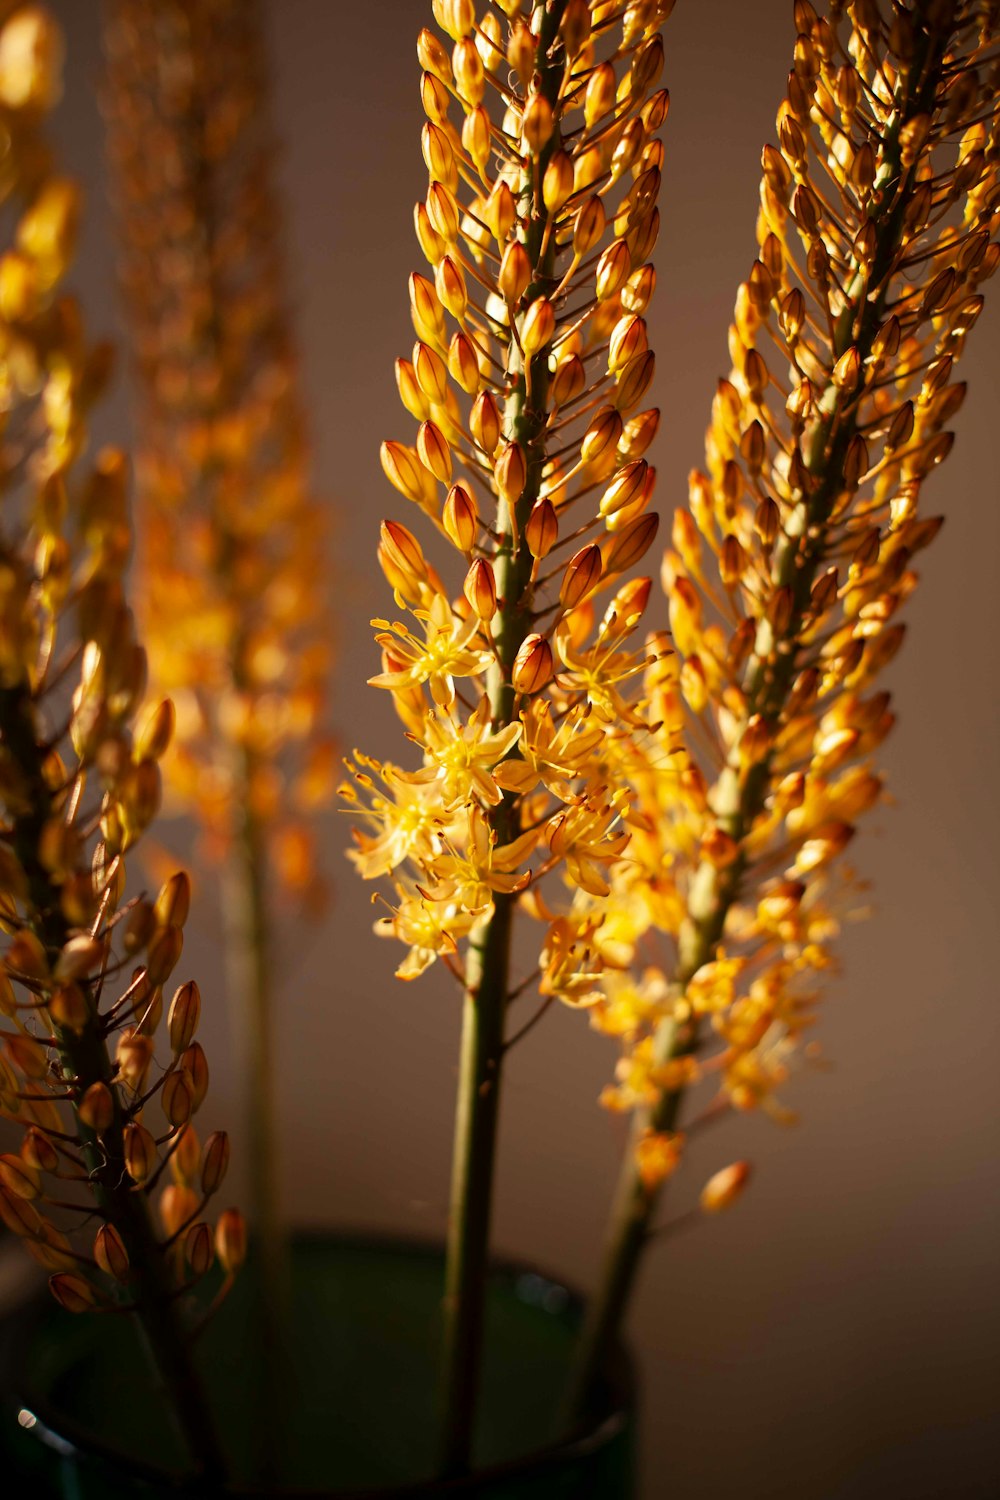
pixel 357 1414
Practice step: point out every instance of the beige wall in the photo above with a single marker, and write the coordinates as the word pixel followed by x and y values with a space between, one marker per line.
pixel 835 1336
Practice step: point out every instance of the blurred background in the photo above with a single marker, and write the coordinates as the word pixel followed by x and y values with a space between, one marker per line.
pixel 836 1337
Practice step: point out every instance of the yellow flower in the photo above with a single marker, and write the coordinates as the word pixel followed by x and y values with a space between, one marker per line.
pixel 448 651
pixel 412 821
pixel 462 756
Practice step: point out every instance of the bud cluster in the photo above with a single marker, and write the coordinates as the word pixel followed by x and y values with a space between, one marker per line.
pixel 85 971
pixel 878 223
pixel 232 593
pixel 521 686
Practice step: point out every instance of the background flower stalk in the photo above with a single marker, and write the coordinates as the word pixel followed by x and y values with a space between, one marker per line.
pixel 105 1126
pixel 232 541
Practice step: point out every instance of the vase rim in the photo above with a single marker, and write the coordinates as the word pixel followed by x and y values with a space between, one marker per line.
pixel 65 1437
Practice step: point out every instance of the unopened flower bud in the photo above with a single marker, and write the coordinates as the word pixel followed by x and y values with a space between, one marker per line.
pixel 199 1248
pixel 515 272
pixel 71 1292
pixel 511 473
pixel 480 589
pixel 231 1240
pixel 110 1253
pixel 96 1109
pixel 538 327
pixel 542 530
pixel 582 575
pixel 532 665
pixel 140 1152
pixel 214 1162
pixel 722 1190
pixel 460 518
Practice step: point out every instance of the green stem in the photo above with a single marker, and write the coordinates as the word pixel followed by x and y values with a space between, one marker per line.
pixel 84 1057
pixel 740 800
pixel 488 962
pixel 247 949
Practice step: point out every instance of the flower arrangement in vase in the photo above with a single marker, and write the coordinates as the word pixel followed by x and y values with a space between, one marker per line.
pixel 653 777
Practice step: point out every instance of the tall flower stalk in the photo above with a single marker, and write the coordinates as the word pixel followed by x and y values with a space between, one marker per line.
pixel 531 359
pixel 107 1128
pixel 231 547
pixel 880 207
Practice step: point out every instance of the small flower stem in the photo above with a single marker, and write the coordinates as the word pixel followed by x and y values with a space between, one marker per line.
pixel 740 796
pixel 250 994
pixel 488 963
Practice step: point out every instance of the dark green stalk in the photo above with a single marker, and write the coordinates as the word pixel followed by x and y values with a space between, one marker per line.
pixel 487 971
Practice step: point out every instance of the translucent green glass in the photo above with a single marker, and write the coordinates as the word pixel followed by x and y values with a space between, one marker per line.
pixel 359 1409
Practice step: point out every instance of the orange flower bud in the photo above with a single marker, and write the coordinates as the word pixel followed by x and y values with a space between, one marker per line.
pixel 600 96
pixel 404 550
pixel 538 327
pixel 484 422
pixel 178 1205
pixel 38 1151
pixel 214 1162
pixel 588 225
pixel 177 1097
pixel 194 1060
pixel 110 1253
pixel 431 372
pixel 542 529
pixel 439 158
pixel 449 282
pixel 532 665
pixel 434 453
pixel 582 575
pixel 183 1016
pixel 140 1153
pixel 163 954
pixel 71 1292
pixel 511 473
pixel 19 1177
pixel 603 435
pixel 231 1240
pixel 612 270
pixel 557 184
pixel 96 1109
pixel 477 136
pixel 460 518
pixel 435 98
pixel 631 543
pixel 463 364
pixel 185 1157
pixel 199 1248
pixel 515 272
pixel 634 380
pixel 470 79
pixel 68 1008
pixel 480 589
pixel 722 1190
pixel 569 381
pixel 626 486
pixel 433 57
pixel 155 730
pixel 134 1053
pixel 537 123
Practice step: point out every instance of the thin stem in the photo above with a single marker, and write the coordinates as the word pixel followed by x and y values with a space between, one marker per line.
pixel 249 992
